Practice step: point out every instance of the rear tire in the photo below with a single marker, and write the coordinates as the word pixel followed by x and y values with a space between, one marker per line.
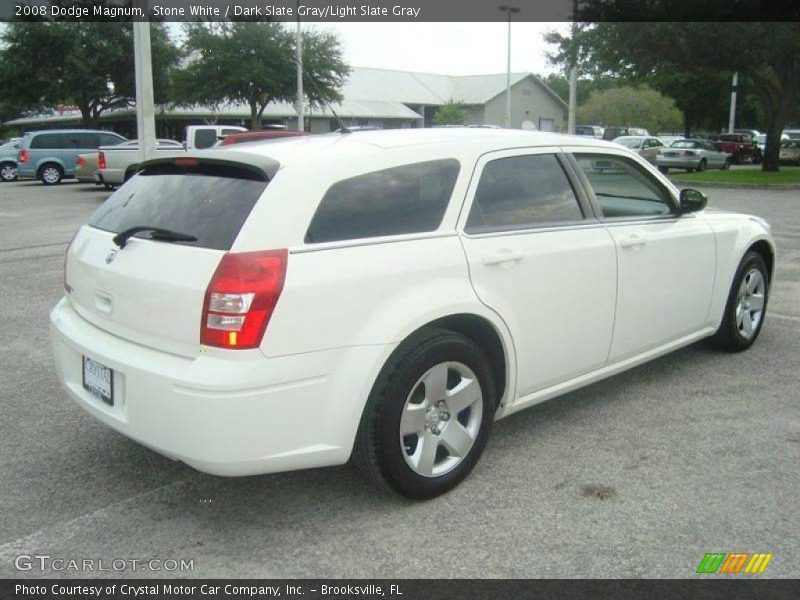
pixel 746 307
pixel 51 174
pixel 8 172
pixel 428 417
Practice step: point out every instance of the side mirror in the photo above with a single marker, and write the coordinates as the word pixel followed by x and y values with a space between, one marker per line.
pixel 692 200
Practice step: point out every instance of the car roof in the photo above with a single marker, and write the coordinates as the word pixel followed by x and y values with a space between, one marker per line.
pixel 38 131
pixel 352 145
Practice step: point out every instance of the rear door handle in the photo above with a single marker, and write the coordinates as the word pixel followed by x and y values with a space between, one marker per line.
pixel 502 257
pixel 633 241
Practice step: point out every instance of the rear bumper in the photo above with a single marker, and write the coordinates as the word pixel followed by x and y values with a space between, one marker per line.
pixel 237 415
pixel 26 171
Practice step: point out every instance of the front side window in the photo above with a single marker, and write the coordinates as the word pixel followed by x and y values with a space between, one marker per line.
pixel 408 199
pixel 622 188
pixel 522 192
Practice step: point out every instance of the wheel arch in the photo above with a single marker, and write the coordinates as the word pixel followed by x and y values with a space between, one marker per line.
pixel 50 161
pixel 767 252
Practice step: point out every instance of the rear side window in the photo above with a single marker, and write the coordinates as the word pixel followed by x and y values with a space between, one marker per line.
pixel 210 202
pixel 106 139
pixel 47 141
pixel 408 199
pixel 85 140
pixel 522 192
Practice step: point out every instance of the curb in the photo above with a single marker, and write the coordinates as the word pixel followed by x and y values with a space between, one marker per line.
pixel 738 186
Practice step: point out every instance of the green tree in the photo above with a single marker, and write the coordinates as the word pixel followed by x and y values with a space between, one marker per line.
pixel 765 54
pixel 637 107
pixel 86 64
pixel 450 113
pixel 254 63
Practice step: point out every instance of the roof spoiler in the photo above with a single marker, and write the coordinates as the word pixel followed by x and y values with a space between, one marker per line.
pixel 265 166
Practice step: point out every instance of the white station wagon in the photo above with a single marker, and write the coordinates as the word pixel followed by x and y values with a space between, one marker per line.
pixel 383 296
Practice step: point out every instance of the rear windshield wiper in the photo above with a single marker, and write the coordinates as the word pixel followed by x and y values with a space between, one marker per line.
pixel 156 233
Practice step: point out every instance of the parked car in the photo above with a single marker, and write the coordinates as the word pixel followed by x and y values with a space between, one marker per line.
pixel 11 140
pixel 254 136
pixel 790 152
pixel 752 133
pixel 646 147
pixel 612 133
pixel 198 137
pixel 740 146
pixel 761 141
pixel 50 155
pixel 8 161
pixel 86 167
pixel 484 126
pixel 667 139
pixel 386 296
pixel 594 131
pixel 117 164
pixel 692 155
pixel 792 134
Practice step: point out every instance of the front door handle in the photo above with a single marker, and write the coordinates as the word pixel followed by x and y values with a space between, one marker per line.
pixel 502 257
pixel 633 241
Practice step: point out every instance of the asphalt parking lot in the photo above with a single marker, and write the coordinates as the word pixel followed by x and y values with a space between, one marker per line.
pixel 636 476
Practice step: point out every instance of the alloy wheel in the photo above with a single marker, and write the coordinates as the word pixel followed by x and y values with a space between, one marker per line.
pixel 750 303
pixel 8 172
pixel 441 419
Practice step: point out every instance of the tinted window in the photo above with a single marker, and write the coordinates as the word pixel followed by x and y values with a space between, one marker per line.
pixel 407 199
pixel 205 138
pixel 47 141
pixel 622 188
pixel 229 131
pixel 107 139
pixel 82 140
pixel 210 202
pixel 521 192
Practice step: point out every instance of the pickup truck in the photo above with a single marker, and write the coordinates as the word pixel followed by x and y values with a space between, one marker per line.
pixel 740 145
pixel 116 164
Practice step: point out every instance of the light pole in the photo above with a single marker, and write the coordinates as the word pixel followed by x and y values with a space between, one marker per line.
pixel 143 72
pixel 300 104
pixel 573 74
pixel 510 10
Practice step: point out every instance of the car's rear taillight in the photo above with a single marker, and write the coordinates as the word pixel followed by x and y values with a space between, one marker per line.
pixel 241 298
pixel 101 160
pixel 23 157
pixel 689 153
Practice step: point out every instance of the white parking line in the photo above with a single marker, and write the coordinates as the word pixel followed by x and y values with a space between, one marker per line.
pixel 786 317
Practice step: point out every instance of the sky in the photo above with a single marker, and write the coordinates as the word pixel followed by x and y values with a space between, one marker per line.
pixel 445 48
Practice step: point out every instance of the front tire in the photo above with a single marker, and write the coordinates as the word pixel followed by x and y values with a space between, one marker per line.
pixel 702 166
pixel 8 172
pixel 664 170
pixel 51 174
pixel 747 305
pixel 428 417
pixel 727 164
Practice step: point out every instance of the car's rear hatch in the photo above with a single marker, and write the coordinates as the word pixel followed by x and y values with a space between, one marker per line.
pixel 151 290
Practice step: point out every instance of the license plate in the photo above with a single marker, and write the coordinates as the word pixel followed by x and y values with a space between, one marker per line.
pixel 98 380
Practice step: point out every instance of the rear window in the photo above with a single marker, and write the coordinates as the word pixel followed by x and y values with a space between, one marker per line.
pixel 396 201
pixel 210 202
